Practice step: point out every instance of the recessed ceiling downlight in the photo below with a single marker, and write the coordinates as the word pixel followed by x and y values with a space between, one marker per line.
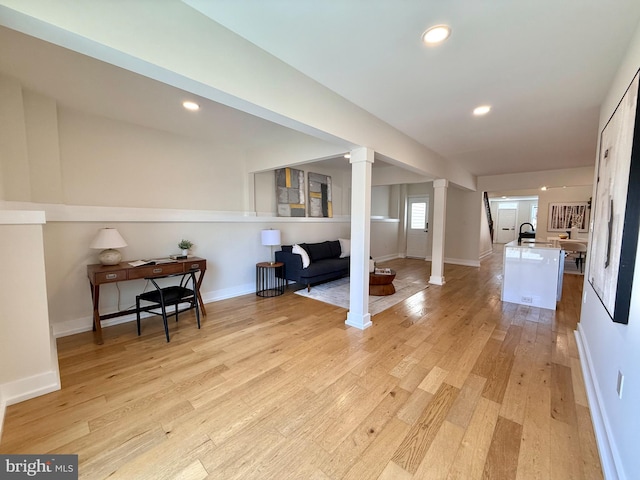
pixel 481 110
pixel 193 106
pixel 436 34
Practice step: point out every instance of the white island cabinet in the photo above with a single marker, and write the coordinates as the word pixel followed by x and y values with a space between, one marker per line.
pixel 532 274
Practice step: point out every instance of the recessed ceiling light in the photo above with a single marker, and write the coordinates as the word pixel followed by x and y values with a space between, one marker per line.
pixel 347 155
pixel 193 106
pixel 481 110
pixel 544 189
pixel 436 34
pixel 504 196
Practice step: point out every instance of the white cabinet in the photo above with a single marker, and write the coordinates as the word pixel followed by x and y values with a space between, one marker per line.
pixel 532 274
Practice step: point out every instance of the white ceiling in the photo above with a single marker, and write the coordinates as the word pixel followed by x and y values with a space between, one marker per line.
pixel 543 65
pixel 84 83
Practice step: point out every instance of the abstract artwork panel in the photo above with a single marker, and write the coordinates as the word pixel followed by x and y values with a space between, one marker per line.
pixel 320 196
pixel 616 215
pixel 290 196
pixel 563 216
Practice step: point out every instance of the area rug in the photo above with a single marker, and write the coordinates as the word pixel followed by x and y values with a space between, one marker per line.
pixel 337 293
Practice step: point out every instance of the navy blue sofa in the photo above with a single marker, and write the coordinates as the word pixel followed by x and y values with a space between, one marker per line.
pixel 325 265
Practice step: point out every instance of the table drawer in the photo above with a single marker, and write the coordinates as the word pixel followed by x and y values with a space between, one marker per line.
pixel 107 277
pixel 195 265
pixel 155 270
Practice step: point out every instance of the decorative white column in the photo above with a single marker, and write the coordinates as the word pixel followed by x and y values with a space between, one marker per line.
pixel 361 161
pixel 439 219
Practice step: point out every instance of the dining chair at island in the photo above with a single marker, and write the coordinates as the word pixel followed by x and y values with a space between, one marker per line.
pixel 577 250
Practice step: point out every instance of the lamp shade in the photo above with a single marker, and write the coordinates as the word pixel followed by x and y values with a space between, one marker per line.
pixel 108 238
pixel 270 237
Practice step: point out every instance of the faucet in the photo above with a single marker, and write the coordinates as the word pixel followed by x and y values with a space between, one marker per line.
pixel 528 234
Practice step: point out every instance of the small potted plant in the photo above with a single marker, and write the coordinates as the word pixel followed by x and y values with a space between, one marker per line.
pixel 185 245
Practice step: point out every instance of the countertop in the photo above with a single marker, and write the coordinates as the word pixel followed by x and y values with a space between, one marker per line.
pixel 531 243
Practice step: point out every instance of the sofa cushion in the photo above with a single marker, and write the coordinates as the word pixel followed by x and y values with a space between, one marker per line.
pixel 334 246
pixel 326 266
pixel 303 253
pixel 345 247
pixel 319 251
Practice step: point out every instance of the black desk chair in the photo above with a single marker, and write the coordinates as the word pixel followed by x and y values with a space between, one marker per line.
pixel 163 297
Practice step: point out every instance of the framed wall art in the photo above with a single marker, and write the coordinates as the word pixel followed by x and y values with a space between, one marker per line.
pixel 320 195
pixel 290 196
pixel 616 211
pixel 563 216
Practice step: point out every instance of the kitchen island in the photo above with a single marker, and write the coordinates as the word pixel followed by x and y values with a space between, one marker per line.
pixel 532 273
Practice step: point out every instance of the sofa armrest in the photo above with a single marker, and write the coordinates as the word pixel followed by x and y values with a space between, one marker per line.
pixel 292 264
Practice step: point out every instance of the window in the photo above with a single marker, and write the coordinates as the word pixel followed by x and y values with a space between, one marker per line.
pixel 418 215
pixel 534 216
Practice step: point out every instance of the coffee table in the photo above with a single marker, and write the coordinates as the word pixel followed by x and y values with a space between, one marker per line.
pixel 381 284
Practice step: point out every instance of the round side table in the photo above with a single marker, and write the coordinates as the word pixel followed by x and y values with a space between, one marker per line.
pixel 269 279
pixel 381 284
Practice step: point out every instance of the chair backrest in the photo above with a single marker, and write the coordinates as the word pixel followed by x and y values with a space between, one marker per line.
pixel 184 280
pixel 574 247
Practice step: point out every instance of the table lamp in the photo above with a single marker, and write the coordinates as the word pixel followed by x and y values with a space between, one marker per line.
pixel 270 238
pixel 107 240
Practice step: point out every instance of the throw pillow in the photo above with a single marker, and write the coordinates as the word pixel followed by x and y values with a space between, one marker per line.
pixel 345 247
pixel 303 253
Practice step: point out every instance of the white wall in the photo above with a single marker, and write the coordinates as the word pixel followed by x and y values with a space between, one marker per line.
pixel 13 142
pixel 462 227
pixel 28 363
pixel 111 163
pixel 381 201
pixel 43 147
pixel 609 348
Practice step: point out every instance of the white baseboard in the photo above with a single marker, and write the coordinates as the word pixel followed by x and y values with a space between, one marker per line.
pixel 386 258
pixel 30 387
pixel 609 457
pixel 85 324
pixel 458 261
pixel 486 254
pixel 463 262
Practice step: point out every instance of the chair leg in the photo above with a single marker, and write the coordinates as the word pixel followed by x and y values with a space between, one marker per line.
pixel 176 313
pixel 195 302
pixel 138 313
pixel 164 320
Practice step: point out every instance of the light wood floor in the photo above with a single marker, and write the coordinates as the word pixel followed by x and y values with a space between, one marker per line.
pixel 450 384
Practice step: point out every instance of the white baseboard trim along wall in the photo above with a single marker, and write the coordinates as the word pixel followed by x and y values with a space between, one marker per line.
pixel 85 324
pixel 609 457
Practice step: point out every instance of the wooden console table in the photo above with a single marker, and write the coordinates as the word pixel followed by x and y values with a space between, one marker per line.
pixel 100 274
